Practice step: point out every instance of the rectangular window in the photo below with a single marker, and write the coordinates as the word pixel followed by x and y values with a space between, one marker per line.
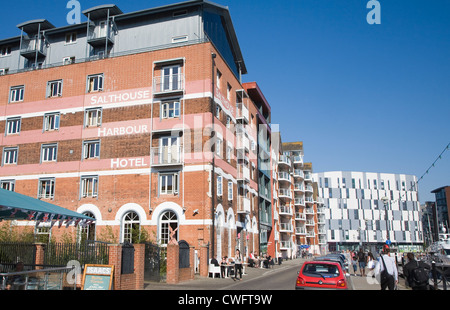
pixel 4 71
pixel 180 39
pixel 95 83
pixel 229 91
pixel 89 186
pixel 230 190
pixel 171 78
pixel 219 144
pixel 218 78
pixel 10 156
pixel 219 186
pixel 46 188
pixel 51 121
pixel 68 60
pixel 93 117
pixel 5 51
pixel 9 185
pixel 168 184
pixel 49 153
pixel 13 125
pixel 54 89
pixel 71 37
pixel 170 110
pixel 91 149
pixel 16 93
pixel 229 152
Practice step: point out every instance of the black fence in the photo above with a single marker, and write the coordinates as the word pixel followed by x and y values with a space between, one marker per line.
pixel 88 252
pixel 14 252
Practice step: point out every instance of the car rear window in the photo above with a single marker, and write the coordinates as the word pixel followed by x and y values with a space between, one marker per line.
pixel 321 270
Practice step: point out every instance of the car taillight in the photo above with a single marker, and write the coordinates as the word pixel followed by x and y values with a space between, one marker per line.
pixel 300 281
pixel 341 283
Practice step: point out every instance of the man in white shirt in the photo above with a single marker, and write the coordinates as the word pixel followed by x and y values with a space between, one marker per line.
pixel 391 268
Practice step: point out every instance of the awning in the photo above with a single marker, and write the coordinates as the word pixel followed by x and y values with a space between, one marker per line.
pixel 15 206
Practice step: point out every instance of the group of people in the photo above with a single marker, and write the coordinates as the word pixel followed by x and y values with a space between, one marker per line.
pixel 260 261
pixel 385 269
pixel 230 265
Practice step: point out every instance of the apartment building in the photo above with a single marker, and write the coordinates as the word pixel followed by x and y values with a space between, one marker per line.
pixel 370 209
pixel 298 221
pixel 139 120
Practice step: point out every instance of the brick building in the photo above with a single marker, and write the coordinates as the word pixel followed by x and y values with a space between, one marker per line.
pixel 141 121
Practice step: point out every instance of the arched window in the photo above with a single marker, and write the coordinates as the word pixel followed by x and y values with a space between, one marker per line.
pixel 131 227
pixel 87 232
pixel 168 219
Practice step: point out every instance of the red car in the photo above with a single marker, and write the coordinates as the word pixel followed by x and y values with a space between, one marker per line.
pixel 321 275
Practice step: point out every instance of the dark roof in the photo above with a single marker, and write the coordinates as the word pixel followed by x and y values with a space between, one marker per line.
pixel 33 26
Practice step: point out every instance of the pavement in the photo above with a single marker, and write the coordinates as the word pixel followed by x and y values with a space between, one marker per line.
pixel 356 282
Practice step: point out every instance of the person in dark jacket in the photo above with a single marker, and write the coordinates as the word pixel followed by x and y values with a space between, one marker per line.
pixel 408 272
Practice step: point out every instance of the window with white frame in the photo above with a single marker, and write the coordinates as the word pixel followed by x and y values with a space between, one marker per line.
pixel 218 111
pixel 229 152
pixel 51 121
pixel 93 117
pixel 68 60
pixel 13 125
pixel 218 78
pixel 170 109
pixel 49 152
pixel 9 185
pixel 5 51
pixel 229 91
pixel 16 93
pixel 230 190
pixel 219 185
pixel 91 149
pixel 131 228
pixel 46 188
pixel 89 186
pixel 168 183
pixel 71 37
pixel 95 83
pixel 10 155
pixel 171 78
pixel 219 145
pixel 168 222
pixel 54 89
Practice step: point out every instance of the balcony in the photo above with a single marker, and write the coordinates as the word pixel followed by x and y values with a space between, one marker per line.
pixel 170 84
pixel 284 160
pixel 309 188
pixel 310 234
pixel 166 156
pixel 285 210
pixel 284 176
pixel 310 222
pixel 299 187
pixel 299 202
pixel 33 47
pixel 309 200
pixel 298 159
pixel 322 240
pixel 284 193
pixel 242 113
pixel 243 173
pixel 242 142
pixel 98 37
pixel 286 227
pixel 300 230
pixel 300 216
pixel 308 176
pixel 243 205
pixel 298 173
pixel 309 211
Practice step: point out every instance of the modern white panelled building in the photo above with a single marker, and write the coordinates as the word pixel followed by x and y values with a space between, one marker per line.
pixel 367 209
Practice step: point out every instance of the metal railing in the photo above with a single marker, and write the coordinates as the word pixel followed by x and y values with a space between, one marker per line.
pixel 166 155
pixel 41 279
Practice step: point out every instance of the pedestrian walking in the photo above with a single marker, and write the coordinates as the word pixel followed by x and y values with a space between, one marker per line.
pixel 362 262
pixel 386 271
pixel 354 262
pixel 238 265
pixel 416 273
pixel 370 261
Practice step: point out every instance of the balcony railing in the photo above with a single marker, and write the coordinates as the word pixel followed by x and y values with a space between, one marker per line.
pixel 242 142
pixel 298 173
pixel 285 193
pixel 299 201
pixel 166 155
pixel 286 227
pixel 284 176
pixel 243 173
pixel 242 113
pixel 243 205
pixel 309 211
pixel 300 230
pixel 300 216
pixel 299 187
pixel 310 222
pixel 297 159
pixel 285 245
pixel 284 160
pixel 285 210
pixel 97 37
pixel 32 47
pixel 168 84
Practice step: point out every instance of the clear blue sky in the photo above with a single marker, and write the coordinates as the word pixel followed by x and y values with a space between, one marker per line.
pixel 373 98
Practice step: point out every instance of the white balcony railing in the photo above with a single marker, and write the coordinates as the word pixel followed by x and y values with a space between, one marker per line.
pixel 298 173
pixel 243 204
pixel 168 83
pixel 242 112
pixel 285 210
pixel 299 201
pixel 300 216
pixel 166 155
pixel 286 227
pixel 284 160
pixel 284 176
pixel 285 193
pixel 300 230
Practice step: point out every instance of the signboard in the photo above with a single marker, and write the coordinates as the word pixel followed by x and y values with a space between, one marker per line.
pixel 97 277
pixel 388 242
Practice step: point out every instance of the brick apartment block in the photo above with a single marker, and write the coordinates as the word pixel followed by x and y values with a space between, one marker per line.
pixel 140 120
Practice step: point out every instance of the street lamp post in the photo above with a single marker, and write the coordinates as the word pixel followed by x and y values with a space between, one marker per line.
pixel 385 202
